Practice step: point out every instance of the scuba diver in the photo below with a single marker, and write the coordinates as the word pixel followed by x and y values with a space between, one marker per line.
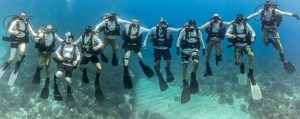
pixel 90 45
pixel 18 29
pixel 45 43
pixel 68 56
pixel 271 19
pixel 162 39
pixel 132 37
pixel 111 29
pixel 189 41
pixel 215 30
pixel 241 35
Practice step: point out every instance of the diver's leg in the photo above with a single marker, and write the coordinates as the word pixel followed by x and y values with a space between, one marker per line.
pixel 83 62
pixel 218 51
pixel 114 45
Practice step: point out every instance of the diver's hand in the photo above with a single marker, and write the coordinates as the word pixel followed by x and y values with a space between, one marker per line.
pixel 75 63
pixel 178 51
pixel 295 15
pixel 233 36
pixel 253 38
pixel 60 58
pixel 203 51
pixel 95 48
pixel 144 46
pixel 16 32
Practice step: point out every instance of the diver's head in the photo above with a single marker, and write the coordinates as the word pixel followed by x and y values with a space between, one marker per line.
pixel 239 18
pixel 88 29
pixel 135 22
pixel 192 24
pixel 49 28
pixel 268 4
pixel 215 18
pixel 22 16
pixel 69 38
pixel 112 16
pixel 162 23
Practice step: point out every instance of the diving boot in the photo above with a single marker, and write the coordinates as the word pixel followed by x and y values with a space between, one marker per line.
pixel 37 76
pixel 146 69
pixel 57 95
pixel 98 92
pixel 208 70
pixel 170 76
pixel 45 90
pixel 185 94
pixel 194 86
pixel 127 79
pixel 85 77
pixel 115 61
pixel 70 100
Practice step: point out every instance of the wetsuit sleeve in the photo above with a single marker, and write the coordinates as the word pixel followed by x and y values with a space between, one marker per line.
pixel 31 30
pixel 174 29
pixel 201 40
pixel 11 27
pixel 78 40
pixel 227 23
pixel 254 15
pixel 229 31
pixel 121 21
pixel 148 36
pixel 143 29
pixel 204 26
pixel 251 31
pixel 180 37
pixel 77 54
pixel 97 28
pixel 60 40
pixel 98 42
pixel 57 52
pixel 278 12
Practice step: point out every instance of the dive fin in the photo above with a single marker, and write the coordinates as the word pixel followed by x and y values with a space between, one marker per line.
pixel 256 92
pixel 208 71
pixel 185 94
pixel 3 69
pixel 85 77
pixel 289 68
pixel 98 93
pixel 70 101
pixel 218 59
pixel 37 77
pixel 114 61
pixel 57 95
pixel 170 76
pixel 194 86
pixel 103 57
pixel 12 78
pixel 242 79
pixel 162 83
pixel 45 90
pixel 147 70
pixel 127 79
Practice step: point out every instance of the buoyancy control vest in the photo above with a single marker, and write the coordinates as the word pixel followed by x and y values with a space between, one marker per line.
pixel 221 32
pixel 159 40
pixel 41 44
pixel 137 38
pixel 185 44
pixel 73 53
pixel 105 29
pixel 275 19
pixel 247 39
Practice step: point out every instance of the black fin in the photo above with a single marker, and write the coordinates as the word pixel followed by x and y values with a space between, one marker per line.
pixel 194 86
pixel 45 90
pixel 103 57
pixel 115 61
pixel 162 83
pixel 37 76
pixel 147 70
pixel 85 77
pixel 289 68
pixel 127 79
pixel 208 71
pixel 170 76
pixel 185 94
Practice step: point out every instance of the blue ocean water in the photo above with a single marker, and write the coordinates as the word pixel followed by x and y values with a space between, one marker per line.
pixel 280 91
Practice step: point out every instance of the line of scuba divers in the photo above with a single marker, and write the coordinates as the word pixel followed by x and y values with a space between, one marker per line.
pixel 189 42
